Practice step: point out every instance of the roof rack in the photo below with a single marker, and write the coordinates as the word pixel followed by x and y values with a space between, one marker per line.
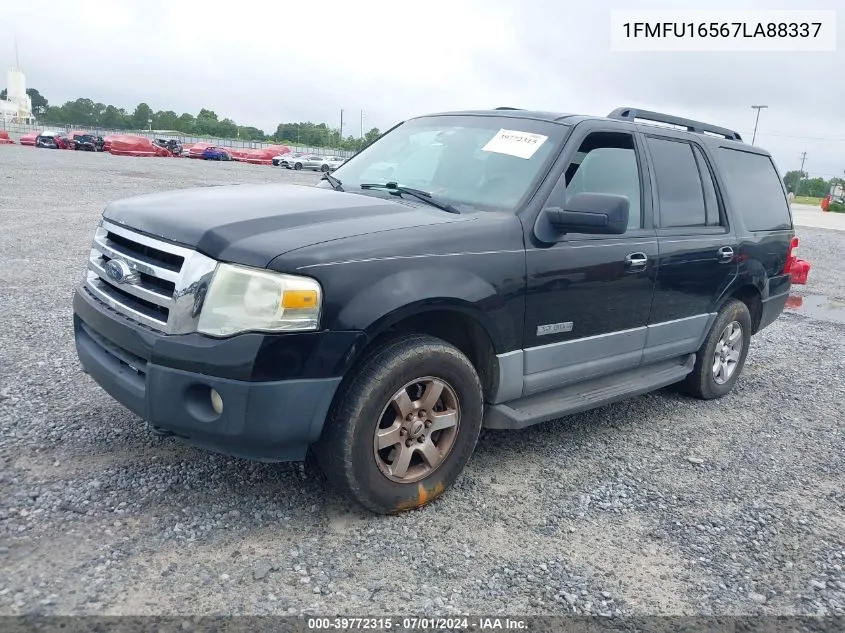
pixel 507 108
pixel 630 114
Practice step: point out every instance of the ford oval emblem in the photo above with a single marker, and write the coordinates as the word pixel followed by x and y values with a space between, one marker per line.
pixel 117 271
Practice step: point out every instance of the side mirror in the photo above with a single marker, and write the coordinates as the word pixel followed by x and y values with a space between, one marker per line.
pixel 591 213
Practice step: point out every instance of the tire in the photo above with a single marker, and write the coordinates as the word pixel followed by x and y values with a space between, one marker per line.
pixel 297 166
pixel 324 168
pixel 703 382
pixel 368 402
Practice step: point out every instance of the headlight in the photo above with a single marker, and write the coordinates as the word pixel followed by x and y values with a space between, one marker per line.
pixel 241 299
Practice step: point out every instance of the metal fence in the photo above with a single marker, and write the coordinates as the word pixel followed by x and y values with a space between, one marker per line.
pixel 21 128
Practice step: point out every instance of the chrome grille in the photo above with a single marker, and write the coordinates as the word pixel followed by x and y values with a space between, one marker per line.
pixel 162 285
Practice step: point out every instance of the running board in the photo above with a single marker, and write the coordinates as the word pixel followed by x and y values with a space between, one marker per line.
pixel 550 405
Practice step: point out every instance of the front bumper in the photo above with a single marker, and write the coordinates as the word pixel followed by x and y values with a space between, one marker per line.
pixel 155 376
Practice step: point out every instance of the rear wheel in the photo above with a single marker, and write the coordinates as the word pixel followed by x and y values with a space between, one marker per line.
pixel 297 166
pixel 721 357
pixel 404 426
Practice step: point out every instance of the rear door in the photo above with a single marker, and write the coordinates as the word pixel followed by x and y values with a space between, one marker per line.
pixel 698 250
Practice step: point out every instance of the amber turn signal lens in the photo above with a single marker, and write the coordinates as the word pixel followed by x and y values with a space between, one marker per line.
pixel 299 299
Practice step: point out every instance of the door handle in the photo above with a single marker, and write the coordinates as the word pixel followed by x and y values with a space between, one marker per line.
pixel 726 254
pixel 636 260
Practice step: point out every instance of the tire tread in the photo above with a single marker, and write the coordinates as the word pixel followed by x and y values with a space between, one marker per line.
pixel 699 383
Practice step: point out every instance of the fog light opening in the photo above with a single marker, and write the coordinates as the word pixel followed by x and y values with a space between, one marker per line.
pixel 216 402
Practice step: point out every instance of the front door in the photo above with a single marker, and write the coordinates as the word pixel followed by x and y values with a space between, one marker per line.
pixel 589 296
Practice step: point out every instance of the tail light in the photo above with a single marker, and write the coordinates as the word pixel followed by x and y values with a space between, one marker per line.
pixel 791 256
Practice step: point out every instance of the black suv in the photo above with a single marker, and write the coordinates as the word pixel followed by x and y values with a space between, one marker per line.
pixel 497 268
pixel 88 143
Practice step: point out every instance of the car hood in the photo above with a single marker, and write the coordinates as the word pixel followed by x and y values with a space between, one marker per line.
pixel 253 224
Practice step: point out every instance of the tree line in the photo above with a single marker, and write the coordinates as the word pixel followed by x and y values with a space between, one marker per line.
pixel 800 184
pixel 88 113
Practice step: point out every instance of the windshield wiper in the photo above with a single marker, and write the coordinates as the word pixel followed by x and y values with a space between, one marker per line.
pixel 419 194
pixel 334 182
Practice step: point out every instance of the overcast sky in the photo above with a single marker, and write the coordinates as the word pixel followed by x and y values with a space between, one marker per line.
pixel 261 63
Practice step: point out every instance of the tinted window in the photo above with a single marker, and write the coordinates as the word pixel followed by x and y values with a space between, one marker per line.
pixel 607 163
pixel 679 189
pixel 755 190
pixel 711 198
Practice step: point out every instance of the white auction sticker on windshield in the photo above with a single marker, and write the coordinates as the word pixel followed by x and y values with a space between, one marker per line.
pixel 515 143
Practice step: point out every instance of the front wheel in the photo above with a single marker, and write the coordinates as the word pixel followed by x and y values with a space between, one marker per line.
pixel 720 359
pixel 404 426
pixel 298 166
pixel 324 168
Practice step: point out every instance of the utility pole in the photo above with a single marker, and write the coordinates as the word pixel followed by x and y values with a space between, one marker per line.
pixel 757 120
pixel 800 172
pixel 341 124
pixel 362 124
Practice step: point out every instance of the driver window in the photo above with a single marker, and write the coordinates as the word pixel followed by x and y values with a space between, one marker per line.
pixel 606 162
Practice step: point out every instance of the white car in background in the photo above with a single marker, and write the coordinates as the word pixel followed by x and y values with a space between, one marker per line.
pixel 282 159
pixel 334 162
pixel 315 162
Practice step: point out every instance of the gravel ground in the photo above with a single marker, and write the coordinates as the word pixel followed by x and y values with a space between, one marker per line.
pixel 658 505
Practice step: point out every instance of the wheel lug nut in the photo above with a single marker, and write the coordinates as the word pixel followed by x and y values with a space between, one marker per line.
pixel 427 423
pixel 409 442
pixel 403 431
pixel 421 413
pixel 421 439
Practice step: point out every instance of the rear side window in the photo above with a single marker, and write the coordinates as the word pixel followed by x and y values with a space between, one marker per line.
pixel 679 189
pixel 755 190
pixel 711 198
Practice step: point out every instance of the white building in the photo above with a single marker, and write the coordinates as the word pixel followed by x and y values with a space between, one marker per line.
pixel 17 108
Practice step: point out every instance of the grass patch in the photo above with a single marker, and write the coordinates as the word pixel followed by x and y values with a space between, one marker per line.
pixel 808 200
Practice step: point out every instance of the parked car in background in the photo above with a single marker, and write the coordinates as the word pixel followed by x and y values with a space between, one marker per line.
pixel 317 163
pixel 88 143
pixel 285 160
pixel 333 162
pixel 49 140
pixel 172 145
pixel 64 140
pixel 216 153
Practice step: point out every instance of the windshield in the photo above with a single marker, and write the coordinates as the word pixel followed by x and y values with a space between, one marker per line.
pixel 485 162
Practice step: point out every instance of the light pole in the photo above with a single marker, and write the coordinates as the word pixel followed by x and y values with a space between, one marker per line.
pixel 757 120
pixel 800 173
pixel 150 123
